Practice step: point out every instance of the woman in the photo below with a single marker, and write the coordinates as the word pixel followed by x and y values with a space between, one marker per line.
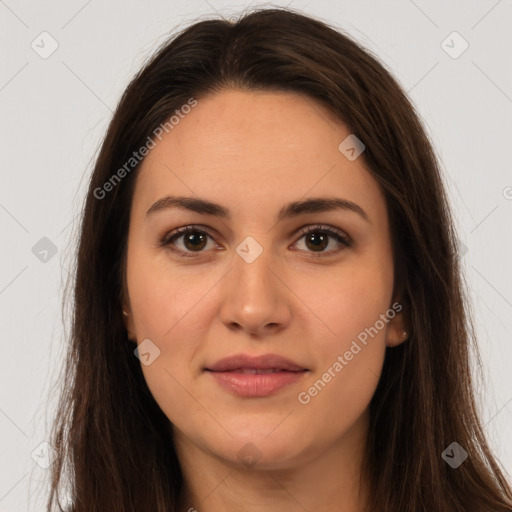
pixel 268 310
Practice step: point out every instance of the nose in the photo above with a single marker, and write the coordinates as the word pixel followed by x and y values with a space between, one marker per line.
pixel 255 299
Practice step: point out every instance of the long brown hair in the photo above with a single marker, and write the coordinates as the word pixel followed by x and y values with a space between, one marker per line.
pixel 112 439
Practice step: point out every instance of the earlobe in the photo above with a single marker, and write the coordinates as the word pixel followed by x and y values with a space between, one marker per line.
pixel 128 323
pixel 395 337
pixel 396 332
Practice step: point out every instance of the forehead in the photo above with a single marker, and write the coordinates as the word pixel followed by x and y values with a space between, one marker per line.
pixel 250 148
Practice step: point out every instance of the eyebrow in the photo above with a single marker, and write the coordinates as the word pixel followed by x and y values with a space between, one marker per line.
pixel 294 209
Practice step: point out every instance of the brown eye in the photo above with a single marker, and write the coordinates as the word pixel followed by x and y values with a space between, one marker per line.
pixel 317 241
pixel 318 238
pixel 192 240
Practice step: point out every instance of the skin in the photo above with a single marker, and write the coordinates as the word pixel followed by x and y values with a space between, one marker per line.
pixel 254 152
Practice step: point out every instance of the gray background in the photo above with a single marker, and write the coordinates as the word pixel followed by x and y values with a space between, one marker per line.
pixel 54 113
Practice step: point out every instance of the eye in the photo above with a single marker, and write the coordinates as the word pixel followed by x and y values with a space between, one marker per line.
pixel 317 239
pixel 194 240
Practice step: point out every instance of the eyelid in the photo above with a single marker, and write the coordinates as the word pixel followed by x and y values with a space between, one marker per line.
pixel 167 238
pixel 323 228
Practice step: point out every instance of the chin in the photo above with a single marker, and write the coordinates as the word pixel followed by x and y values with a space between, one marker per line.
pixel 265 448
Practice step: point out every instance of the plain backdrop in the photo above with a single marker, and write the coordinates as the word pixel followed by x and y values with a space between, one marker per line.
pixel 54 112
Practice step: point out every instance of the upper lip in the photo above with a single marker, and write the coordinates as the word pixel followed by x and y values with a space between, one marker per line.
pixel 264 362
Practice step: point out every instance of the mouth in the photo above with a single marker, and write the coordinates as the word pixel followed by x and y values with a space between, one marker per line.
pixel 247 376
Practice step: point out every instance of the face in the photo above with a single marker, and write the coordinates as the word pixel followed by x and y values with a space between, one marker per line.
pixel 311 283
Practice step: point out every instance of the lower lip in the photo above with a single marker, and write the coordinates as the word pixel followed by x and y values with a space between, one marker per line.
pixel 256 385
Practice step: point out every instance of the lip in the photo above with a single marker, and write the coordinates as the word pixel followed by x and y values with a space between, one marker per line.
pixel 264 362
pixel 249 376
pixel 256 385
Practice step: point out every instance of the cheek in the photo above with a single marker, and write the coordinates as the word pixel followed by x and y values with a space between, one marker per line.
pixel 161 297
pixel 350 308
pixel 168 307
pixel 347 301
pixel 350 354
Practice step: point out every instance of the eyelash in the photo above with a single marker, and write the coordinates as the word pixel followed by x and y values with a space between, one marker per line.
pixel 169 238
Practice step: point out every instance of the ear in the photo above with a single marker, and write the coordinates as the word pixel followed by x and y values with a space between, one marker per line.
pixel 397 330
pixel 128 321
pixel 125 305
